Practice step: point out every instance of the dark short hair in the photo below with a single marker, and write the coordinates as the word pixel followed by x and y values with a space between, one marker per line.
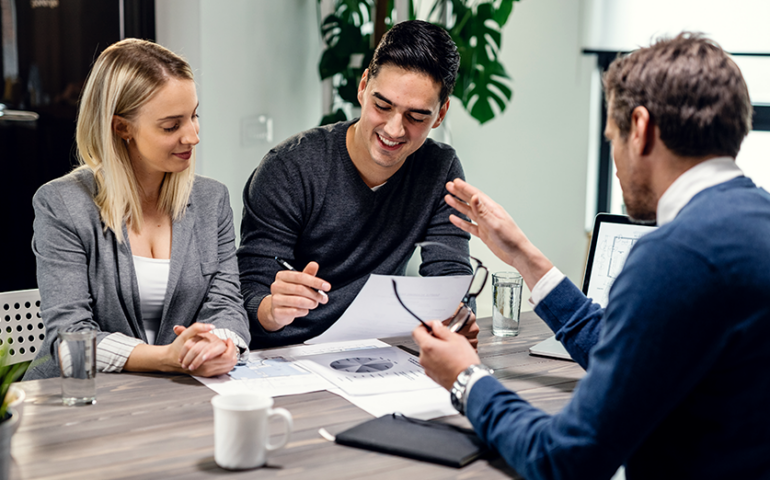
pixel 421 47
pixel 693 90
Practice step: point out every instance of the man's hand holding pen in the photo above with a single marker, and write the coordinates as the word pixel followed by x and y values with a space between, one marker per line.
pixel 293 294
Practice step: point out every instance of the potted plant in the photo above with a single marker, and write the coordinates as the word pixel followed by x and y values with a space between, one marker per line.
pixel 353 29
pixel 9 416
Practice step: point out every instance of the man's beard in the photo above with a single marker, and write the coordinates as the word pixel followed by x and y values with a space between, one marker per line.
pixel 641 205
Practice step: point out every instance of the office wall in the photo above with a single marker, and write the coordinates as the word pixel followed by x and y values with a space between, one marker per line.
pixel 532 159
pixel 251 59
pixel 739 25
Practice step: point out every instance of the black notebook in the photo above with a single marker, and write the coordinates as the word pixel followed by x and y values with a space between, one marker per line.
pixel 419 439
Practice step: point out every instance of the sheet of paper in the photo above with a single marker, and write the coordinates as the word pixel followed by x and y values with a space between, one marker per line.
pixel 370 372
pixel 423 404
pixel 376 313
pixel 276 372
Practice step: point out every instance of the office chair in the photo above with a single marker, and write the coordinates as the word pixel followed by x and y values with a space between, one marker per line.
pixel 21 327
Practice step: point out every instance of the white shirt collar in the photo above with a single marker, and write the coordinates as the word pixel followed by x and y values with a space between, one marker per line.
pixel 692 182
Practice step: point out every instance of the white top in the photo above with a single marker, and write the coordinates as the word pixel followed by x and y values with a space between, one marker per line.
pixel 152 278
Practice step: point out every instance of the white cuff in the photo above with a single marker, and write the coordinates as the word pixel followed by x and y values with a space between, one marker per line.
pixel 545 285
pixel 113 351
pixel 475 376
pixel 243 349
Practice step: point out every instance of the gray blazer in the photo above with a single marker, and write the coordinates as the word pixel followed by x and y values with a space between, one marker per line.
pixel 87 279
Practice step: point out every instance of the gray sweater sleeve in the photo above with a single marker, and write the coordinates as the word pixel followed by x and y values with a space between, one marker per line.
pixel 272 219
pixel 438 261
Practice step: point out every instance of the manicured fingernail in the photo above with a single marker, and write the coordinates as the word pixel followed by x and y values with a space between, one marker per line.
pixel 326 286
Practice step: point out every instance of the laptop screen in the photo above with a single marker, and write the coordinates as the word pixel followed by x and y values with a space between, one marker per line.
pixel 612 239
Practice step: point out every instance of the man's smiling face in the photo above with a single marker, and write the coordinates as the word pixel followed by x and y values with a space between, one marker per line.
pixel 398 109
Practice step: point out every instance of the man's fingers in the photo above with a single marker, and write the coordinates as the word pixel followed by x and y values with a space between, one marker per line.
pixel 461 207
pixel 461 189
pixel 464 225
pixel 311 268
pixel 421 335
pixel 294 301
pixel 287 277
pixel 478 206
pixel 287 313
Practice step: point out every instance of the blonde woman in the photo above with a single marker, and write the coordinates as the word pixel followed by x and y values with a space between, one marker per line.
pixel 132 243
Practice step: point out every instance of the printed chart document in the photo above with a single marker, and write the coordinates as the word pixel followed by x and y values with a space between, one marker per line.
pixel 376 313
pixel 352 370
pixel 370 372
pixel 276 372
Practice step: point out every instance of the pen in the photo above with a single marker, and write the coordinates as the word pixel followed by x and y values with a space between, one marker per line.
pixel 288 266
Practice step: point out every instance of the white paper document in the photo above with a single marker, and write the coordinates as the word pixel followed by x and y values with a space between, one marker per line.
pixel 275 372
pixel 376 312
pixel 370 372
pixel 423 404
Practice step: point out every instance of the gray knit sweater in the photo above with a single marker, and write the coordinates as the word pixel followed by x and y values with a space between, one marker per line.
pixel 307 202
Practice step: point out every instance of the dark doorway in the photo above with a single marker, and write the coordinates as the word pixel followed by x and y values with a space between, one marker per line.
pixel 48 47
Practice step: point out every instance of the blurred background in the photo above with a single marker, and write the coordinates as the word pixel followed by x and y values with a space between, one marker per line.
pixel 256 64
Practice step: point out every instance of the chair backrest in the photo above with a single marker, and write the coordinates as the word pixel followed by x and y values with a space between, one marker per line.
pixel 21 328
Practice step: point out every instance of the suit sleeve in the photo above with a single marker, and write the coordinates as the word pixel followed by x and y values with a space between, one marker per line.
pixel 618 403
pixel 574 318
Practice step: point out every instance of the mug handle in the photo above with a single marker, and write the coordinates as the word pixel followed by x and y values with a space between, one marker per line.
pixel 288 426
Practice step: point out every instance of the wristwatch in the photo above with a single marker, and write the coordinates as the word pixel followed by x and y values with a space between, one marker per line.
pixel 459 392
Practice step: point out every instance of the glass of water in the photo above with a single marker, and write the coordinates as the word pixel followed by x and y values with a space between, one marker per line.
pixel 77 361
pixel 506 308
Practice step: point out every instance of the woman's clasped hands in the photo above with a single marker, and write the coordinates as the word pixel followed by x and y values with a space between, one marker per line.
pixel 197 351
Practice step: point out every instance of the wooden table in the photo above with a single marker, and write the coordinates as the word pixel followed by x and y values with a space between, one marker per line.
pixel 161 426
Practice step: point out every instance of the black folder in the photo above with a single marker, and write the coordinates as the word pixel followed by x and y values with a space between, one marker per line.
pixel 419 439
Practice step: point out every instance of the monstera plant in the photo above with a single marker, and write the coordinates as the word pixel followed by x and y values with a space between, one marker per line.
pixel 352 30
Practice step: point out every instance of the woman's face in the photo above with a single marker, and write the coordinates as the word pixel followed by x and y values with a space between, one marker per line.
pixel 163 134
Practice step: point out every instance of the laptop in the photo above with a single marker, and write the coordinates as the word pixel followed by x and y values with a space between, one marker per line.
pixel 612 239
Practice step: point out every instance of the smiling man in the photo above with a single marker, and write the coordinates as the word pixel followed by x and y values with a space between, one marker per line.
pixel 343 201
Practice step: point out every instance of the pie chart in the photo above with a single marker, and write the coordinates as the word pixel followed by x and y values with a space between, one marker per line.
pixel 362 365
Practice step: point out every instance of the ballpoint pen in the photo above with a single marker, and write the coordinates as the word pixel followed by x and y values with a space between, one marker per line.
pixel 288 266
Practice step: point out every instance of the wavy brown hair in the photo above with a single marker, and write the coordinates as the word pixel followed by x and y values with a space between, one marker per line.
pixel 694 91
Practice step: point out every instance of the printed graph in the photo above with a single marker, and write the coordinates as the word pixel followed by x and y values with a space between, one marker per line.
pixel 362 365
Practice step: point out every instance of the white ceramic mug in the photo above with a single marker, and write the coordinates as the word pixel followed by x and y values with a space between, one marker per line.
pixel 241 433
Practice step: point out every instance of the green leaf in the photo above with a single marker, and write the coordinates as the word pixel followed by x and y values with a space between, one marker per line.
pixel 331 64
pixel 338 116
pixel 503 12
pixel 480 95
pixel 348 88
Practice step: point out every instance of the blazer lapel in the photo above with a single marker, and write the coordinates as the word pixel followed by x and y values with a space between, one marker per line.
pixel 128 288
pixel 181 237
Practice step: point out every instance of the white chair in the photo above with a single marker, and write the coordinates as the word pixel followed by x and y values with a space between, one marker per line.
pixel 21 328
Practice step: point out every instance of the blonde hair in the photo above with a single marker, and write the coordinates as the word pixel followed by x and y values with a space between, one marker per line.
pixel 124 78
